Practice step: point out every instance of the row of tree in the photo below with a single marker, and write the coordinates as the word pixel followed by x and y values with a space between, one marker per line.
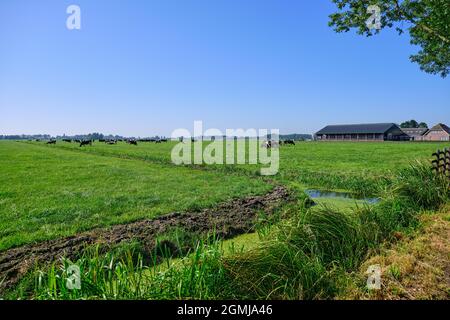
pixel 413 124
pixel 90 136
pixel 25 137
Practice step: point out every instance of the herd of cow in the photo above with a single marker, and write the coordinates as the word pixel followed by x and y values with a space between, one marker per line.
pixel 267 144
pixel 108 141
pixel 275 144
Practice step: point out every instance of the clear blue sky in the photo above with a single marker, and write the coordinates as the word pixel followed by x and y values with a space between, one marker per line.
pixel 148 67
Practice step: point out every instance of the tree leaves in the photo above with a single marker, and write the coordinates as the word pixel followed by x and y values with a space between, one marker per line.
pixel 427 21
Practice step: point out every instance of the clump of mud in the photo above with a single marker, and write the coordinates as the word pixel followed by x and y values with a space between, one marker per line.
pixel 226 220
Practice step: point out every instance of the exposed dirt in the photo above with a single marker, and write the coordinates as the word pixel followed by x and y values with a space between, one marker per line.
pixel 227 220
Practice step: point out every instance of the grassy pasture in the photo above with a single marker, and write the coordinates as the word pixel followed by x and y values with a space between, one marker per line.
pixel 372 158
pixel 359 167
pixel 49 192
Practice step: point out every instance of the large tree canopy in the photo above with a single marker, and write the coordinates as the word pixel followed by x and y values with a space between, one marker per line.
pixel 427 21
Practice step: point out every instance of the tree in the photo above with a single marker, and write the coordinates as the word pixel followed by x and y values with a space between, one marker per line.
pixel 427 21
pixel 413 124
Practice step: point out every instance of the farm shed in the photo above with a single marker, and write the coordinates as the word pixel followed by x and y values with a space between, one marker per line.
pixel 362 132
pixel 415 134
pixel 439 132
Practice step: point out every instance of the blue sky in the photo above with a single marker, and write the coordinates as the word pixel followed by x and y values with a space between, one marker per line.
pixel 149 67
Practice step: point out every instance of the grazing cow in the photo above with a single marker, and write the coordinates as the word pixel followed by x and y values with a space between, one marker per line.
pixel 85 143
pixel 133 142
pixel 67 140
pixel 163 140
pixel 291 142
pixel 111 142
pixel 51 142
pixel 267 144
pixel 270 144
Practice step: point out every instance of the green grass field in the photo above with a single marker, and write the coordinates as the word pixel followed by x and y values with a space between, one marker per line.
pixel 361 158
pixel 52 191
pixel 49 192
pixel 357 167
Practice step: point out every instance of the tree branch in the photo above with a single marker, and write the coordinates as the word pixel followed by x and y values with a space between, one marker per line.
pixel 424 27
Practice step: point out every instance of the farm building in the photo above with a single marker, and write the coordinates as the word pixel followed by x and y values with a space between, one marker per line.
pixel 439 132
pixel 415 134
pixel 362 132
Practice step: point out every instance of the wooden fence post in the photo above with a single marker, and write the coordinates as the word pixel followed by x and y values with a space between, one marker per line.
pixel 441 163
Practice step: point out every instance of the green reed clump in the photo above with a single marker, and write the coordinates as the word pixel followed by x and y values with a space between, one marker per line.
pixel 201 275
pixel 119 275
pixel 391 215
pixel 278 270
pixel 339 237
pixel 301 258
pixel 414 189
pixel 423 187
pixel 102 276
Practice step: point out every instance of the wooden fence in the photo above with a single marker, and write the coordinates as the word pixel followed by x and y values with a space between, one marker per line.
pixel 441 162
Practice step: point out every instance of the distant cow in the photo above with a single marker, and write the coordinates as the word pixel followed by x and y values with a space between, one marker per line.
pixel 85 143
pixel 270 144
pixel 133 142
pixel 267 144
pixel 67 140
pixel 289 142
pixel 51 142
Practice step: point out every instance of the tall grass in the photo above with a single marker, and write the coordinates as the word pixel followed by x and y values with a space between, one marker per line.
pixel 122 275
pixel 306 256
pixel 414 189
pixel 423 187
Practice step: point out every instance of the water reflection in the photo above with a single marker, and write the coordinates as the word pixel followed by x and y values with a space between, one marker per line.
pixel 339 195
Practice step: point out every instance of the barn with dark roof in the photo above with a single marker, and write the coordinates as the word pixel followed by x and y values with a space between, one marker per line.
pixel 362 132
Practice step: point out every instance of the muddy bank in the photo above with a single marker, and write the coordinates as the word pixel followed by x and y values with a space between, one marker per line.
pixel 228 220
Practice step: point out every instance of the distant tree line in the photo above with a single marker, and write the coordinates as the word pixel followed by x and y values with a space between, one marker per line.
pixel 25 137
pixel 89 136
pixel 296 136
pixel 413 124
